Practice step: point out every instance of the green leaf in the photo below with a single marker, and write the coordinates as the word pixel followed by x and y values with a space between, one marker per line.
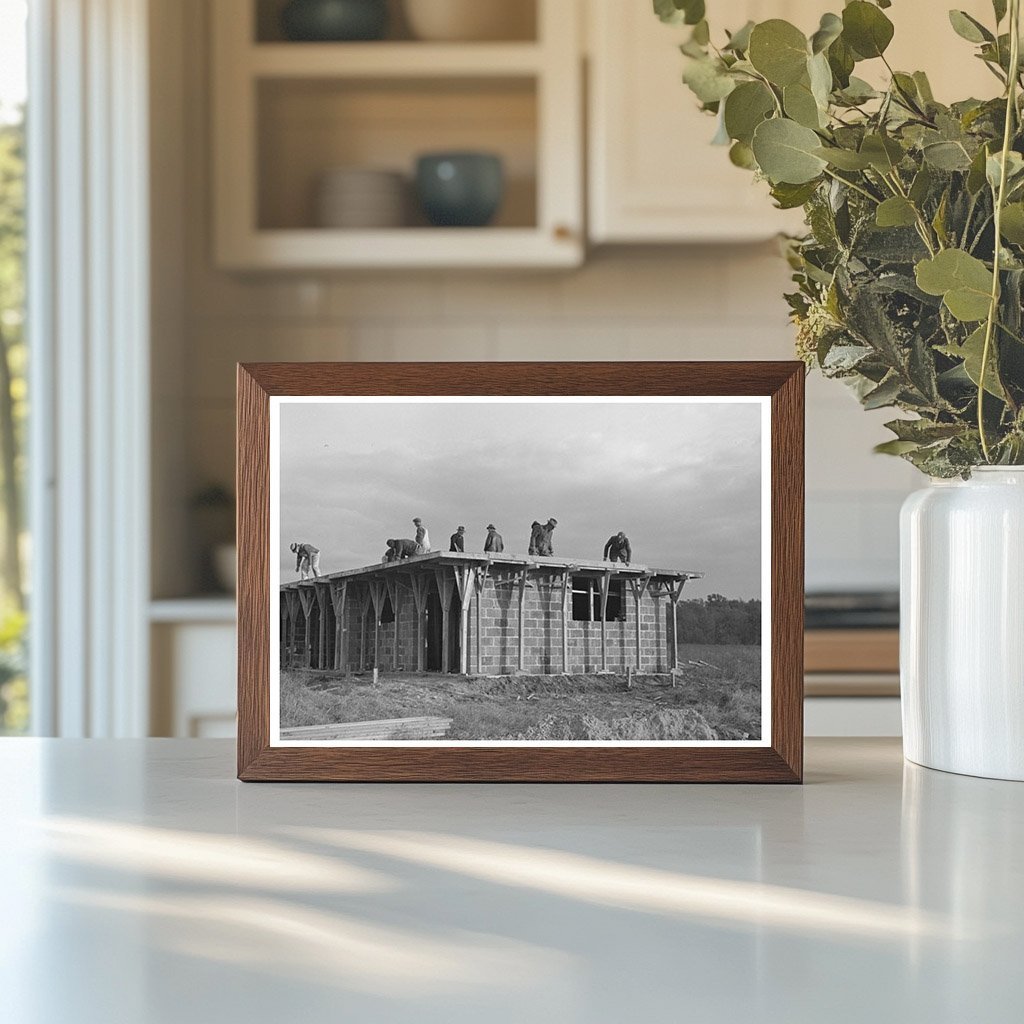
pixel 778 50
pixel 1012 225
pixel 789 197
pixel 1014 169
pixel 829 30
pixel 999 7
pixel 976 174
pixel 883 153
pixel 858 91
pixel 844 159
pixel 921 185
pixel 785 152
pixel 963 281
pixel 866 29
pixel 746 107
pixel 947 156
pixel 896 447
pixel 896 212
pixel 885 394
pixel 971 352
pixel 969 28
pixel 741 155
pixel 820 76
pixel 800 105
pixel 924 87
pixel 841 60
pixel 708 80
pixel 676 12
pixel 739 41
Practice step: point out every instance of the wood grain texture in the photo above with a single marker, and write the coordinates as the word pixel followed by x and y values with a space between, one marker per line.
pixel 781 762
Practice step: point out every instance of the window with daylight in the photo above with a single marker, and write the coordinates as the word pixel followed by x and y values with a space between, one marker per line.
pixel 14 705
pixel 586 600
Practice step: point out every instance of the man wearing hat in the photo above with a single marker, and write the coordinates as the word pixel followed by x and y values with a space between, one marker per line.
pixel 307 560
pixel 458 540
pixel 422 537
pixel 617 549
pixel 493 543
pixel 545 546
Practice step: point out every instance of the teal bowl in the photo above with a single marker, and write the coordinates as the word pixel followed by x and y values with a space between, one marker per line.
pixel 334 21
pixel 460 190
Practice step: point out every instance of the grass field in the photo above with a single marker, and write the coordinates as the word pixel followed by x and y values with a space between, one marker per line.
pixel 722 702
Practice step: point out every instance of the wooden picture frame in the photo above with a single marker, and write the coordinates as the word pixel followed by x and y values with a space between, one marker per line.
pixel 778 759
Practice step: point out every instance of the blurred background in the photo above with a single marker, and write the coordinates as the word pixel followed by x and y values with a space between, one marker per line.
pixel 300 180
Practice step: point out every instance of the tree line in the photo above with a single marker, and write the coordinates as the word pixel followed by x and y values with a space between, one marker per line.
pixel 719 620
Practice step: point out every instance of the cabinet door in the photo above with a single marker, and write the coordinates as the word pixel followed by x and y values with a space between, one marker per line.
pixel 654 176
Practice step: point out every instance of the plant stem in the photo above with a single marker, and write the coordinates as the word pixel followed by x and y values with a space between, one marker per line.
pixel 993 309
pixel 856 188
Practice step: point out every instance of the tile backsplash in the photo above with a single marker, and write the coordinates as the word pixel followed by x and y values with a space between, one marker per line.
pixel 720 302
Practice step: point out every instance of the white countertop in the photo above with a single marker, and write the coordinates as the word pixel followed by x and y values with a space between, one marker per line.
pixel 143 885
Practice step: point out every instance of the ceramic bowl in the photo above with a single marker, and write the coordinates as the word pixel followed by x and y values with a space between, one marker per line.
pixel 359 197
pixel 334 20
pixel 460 189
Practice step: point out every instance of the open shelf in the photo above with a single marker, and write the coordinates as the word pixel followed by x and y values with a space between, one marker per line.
pixel 308 127
pixel 286 114
pixel 520 17
pixel 393 60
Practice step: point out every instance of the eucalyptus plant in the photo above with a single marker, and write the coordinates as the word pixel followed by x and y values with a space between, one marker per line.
pixel 910 278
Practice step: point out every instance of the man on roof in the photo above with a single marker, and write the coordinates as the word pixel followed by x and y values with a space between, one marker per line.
pixel 617 549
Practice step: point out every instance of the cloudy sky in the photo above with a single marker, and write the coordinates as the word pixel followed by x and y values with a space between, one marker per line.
pixel 683 480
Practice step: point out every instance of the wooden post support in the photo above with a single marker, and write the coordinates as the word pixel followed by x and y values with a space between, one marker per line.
pixel 676 592
pixel 522 617
pixel 566 598
pixel 323 601
pixel 292 604
pixel 306 598
pixel 605 583
pixel 339 591
pixel 639 588
pixel 364 610
pixel 481 583
pixel 465 580
pixel 394 592
pixel 377 598
pixel 445 589
pixel 419 584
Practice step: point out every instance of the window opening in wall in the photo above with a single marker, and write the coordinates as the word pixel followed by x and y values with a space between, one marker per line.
pixel 586 600
pixel 387 612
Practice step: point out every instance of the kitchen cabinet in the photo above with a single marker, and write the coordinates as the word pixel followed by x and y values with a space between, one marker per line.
pixel 653 175
pixel 287 113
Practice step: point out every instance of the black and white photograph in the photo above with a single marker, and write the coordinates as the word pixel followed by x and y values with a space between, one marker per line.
pixel 551 571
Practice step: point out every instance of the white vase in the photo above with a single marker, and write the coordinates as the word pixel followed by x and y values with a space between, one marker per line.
pixel 962 624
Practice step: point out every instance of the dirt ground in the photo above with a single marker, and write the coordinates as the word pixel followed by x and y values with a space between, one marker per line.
pixel 720 700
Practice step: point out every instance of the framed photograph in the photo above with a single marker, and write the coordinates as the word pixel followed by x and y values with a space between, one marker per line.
pixel 520 572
